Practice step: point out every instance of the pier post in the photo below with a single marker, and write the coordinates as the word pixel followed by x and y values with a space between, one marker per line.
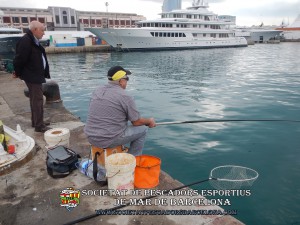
pixel 51 92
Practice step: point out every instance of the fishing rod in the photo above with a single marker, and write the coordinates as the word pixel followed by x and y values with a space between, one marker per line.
pixel 227 120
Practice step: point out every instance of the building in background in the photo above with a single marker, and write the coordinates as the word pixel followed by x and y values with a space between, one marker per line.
pixel 169 5
pixel 291 32
pixel 65 18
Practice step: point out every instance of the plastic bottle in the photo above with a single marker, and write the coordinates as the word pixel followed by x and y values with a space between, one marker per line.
pixel 86 167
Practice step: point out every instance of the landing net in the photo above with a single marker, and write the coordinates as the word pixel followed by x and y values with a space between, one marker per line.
pixel 232 177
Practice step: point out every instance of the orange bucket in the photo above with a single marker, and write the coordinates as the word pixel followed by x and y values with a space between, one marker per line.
pixel 147 170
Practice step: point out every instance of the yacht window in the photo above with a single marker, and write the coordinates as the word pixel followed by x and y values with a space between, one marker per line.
pixel 156 24
pixel 180 34
pixel 172 35
pixel 165 34
pixel 169 35
pixel 160 34
pixel 223 35
pixel 163 25
pixel 152 34
pixel 183 35
pixel 176 34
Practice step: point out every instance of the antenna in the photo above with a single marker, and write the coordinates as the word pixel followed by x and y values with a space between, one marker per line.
pixel 106 4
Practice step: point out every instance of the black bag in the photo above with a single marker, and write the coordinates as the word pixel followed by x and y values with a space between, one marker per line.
pixel 61 161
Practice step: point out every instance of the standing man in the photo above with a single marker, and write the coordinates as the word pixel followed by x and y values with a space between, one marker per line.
pixel 111 108
pixel 31 65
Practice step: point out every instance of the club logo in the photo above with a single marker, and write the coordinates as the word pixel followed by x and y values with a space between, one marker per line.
pixel 69 198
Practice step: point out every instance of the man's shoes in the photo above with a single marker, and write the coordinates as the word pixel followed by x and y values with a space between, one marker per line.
pixel 42 129
pixel 44 124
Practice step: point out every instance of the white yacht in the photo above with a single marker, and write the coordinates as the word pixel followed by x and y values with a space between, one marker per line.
pixel 194 27
pixel 8 39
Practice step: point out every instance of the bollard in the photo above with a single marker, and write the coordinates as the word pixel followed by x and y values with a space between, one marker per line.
pixel 50 91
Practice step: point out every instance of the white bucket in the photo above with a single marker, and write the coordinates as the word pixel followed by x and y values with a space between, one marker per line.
pixel 120 171
pixel 57 136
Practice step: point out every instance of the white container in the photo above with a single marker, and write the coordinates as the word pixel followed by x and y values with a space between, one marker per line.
pixel 57 136
pixel 88 41
pixel 120 171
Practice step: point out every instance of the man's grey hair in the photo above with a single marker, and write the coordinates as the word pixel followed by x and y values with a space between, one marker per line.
pixel 35 24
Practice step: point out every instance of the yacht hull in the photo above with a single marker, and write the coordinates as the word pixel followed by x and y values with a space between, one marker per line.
pixel 138 39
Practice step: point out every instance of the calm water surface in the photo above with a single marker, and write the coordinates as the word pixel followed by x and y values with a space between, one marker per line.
pixel 257 82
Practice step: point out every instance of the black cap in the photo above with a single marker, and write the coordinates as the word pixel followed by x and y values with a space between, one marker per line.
pixel 119 71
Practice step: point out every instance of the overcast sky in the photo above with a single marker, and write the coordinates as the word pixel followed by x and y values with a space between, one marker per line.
pixel 251 12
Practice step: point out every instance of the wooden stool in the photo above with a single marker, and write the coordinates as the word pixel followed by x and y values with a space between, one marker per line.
pixel 104 152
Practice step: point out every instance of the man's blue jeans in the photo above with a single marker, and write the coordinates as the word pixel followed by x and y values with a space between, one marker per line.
pixel 136 136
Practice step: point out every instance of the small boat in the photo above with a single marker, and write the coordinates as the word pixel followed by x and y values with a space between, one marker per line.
pixel 8 39
pixel 194 27
pixel 23 144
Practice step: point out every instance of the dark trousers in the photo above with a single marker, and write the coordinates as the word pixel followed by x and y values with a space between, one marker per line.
pixel 36 104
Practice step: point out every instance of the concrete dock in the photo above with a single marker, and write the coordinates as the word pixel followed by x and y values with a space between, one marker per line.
pixel 28 195
pixel 77 49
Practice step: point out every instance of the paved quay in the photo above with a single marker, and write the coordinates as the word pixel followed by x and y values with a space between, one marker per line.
pixel 28 195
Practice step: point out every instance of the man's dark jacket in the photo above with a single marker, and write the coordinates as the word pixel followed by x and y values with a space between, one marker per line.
pixel 28 62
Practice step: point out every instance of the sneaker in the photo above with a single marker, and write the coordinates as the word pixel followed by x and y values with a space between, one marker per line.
pixel 42 129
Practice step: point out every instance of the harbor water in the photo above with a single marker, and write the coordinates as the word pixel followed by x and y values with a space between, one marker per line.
pixel 256 82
